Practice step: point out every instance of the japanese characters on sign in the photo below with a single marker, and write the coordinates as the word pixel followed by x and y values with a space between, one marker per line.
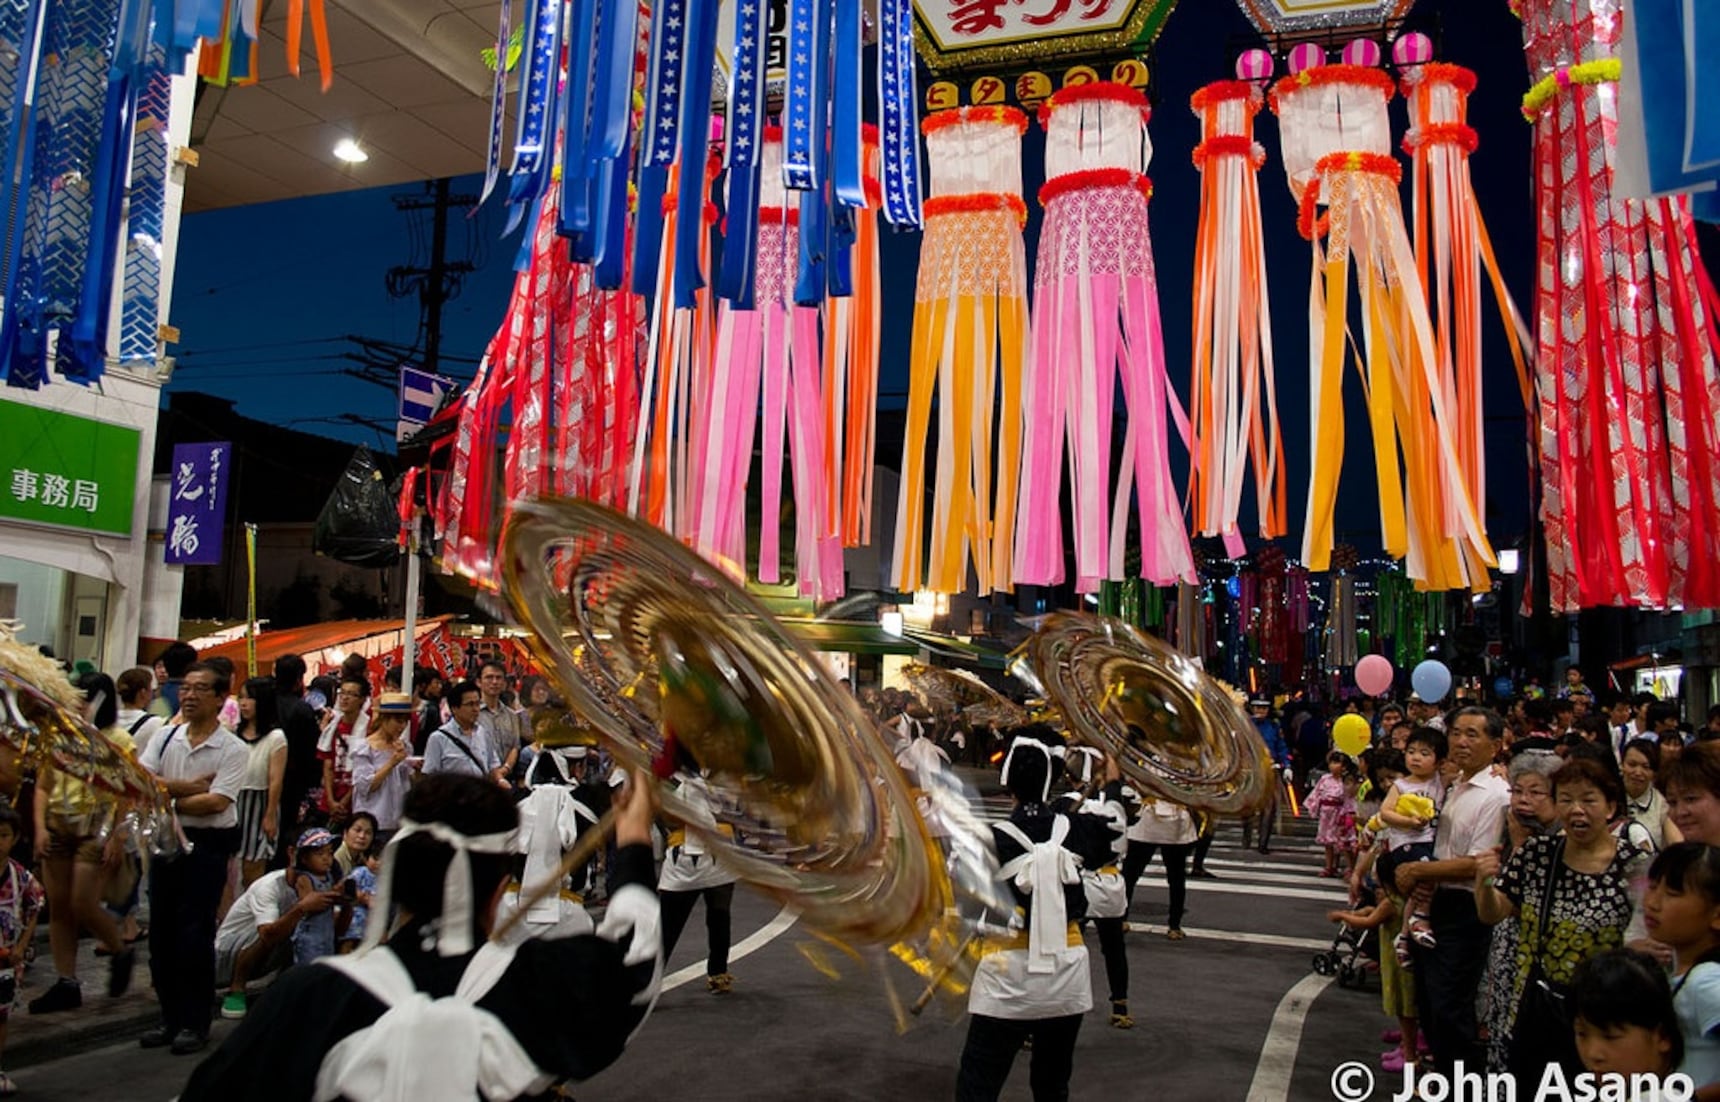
pixel 958 34
pixel 67 471
pixel 196 500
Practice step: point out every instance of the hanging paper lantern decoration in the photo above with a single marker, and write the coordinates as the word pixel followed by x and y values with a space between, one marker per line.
pixel 1362 51
pixel 1452 250
pixel 1254 65
pixel 969 343
pixel 1234 407
pixel 1096 309
pixel 1414 48
pixel 1306 56
pixel 1336 136
pixel 1627 382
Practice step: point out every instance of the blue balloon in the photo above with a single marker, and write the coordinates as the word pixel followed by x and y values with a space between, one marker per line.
pixel 1431 681
pixel 1504 687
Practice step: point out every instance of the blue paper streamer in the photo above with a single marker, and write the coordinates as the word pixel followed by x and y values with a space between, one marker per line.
pixel 65 185
pixel 658 140
pixel 739 269
pixel 610 255
pixel 803 108
pixel 577 173
pixel 847 167
pixel 538 79
pixel 140 305
pixel 22 28
pixel 498 103
pixel 695 135
pixel 897 96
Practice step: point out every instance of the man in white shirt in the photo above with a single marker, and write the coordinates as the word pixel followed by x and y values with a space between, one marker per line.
pixel 201 764
pixel 502 726
pixel 1621 723
pixel 1472 821
pixel 460 745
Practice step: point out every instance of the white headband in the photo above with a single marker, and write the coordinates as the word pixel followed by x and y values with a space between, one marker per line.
pixel 454 929
pixel 1049 752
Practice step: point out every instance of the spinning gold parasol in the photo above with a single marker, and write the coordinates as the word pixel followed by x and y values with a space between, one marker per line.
pixel 42 724
pixel 676 668
pixel 963 692
pixel 1175 732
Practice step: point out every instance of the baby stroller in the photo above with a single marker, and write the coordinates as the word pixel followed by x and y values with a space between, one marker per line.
pixel 1348 958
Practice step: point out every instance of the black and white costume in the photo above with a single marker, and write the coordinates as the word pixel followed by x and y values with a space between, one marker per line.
pixel 1107 892
pixel 1032 979
pixel 425 1014
pixel 691 872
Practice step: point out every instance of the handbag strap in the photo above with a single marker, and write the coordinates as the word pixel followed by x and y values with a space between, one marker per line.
pixel 1546 913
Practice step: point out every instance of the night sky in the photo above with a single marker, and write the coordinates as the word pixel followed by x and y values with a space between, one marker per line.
pixel 264 294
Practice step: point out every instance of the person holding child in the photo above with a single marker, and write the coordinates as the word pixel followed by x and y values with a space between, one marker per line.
pixel 256 937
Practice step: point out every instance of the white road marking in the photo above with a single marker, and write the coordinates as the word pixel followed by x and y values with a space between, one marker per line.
pixel 1278 1055
pixel 1263 874
pixel 1328 895
pixel 1240 937
pixel 747 946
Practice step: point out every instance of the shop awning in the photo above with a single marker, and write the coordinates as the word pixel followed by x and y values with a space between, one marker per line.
pixel 954 649
pixel 367 637
pixel 849 637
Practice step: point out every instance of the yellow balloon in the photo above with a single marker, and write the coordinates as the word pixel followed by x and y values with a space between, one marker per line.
pixel 1351 734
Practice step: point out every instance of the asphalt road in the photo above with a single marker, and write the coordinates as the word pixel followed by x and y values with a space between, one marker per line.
pixel 1231 1013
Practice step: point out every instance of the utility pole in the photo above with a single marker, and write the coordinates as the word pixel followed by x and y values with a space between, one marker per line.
pixel 439 281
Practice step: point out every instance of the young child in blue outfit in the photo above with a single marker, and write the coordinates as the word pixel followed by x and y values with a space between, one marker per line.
pixel 318 934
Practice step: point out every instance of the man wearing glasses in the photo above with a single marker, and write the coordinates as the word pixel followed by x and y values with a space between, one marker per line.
pixel 350 724
pixel 460 745
pixel 505 728
pixel 201 765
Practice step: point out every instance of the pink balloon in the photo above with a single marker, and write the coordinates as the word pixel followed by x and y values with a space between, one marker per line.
pixel 1374 675
pixel 1306 56
pixel 1364 52
pixel 1254 65
pixel 1414 48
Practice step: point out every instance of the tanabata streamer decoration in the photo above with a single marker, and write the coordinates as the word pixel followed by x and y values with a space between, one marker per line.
pixel 820 393
pixel 969 342
pixel 565 362
pixel 1336 136
pixel 1452 247
pixel 1234 377
pixel 1625 344
pixel 1096 302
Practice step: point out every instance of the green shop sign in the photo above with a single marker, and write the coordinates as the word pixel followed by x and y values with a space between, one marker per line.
pixel 64 470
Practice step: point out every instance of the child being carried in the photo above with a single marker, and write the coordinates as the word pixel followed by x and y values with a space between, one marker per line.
pixel 1410 812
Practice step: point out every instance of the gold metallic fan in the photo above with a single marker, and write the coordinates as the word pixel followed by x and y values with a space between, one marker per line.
pixel 39 729
pixel 1175 732
pixel 965 693
pixel 647 640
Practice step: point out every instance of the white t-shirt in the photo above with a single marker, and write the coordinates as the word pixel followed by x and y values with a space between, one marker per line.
pixel 1472 820
pixel 1163 823
pixel 265 901
pixel 257 764
pixel 141 732
pixel 1697 1001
